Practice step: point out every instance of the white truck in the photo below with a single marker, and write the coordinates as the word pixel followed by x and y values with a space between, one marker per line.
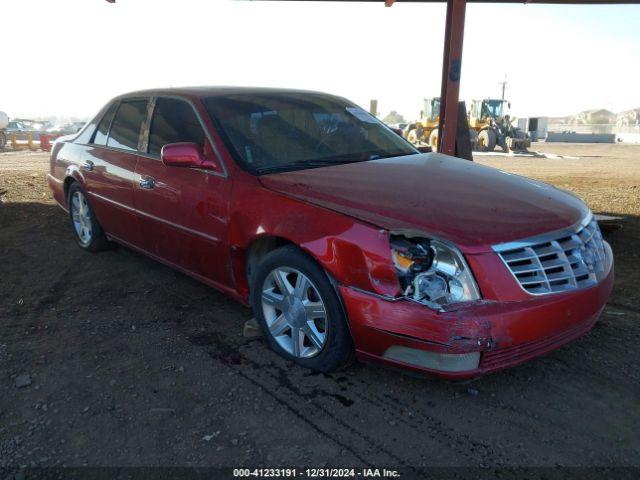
pixel 4 122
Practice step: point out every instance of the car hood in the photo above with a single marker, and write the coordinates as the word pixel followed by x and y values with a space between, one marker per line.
pixel 445 197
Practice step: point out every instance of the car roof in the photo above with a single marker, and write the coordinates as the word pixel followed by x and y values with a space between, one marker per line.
pixel 214 91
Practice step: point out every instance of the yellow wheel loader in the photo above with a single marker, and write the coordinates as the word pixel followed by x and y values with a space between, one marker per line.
pixel 493 127
pixel 425 130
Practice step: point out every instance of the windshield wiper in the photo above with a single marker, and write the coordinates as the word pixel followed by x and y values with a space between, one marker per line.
pixel 324 162
pixel 318 162
pixel 379 156
pixel 297 166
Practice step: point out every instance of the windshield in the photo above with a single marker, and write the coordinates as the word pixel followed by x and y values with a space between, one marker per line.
pixel 432 108
pixel 270 132
pixel 492 108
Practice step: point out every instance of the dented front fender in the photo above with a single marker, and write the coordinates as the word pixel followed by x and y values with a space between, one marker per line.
pixel 354 253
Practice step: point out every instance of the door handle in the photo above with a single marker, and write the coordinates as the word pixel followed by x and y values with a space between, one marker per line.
pixel 88 165
pixel 147 182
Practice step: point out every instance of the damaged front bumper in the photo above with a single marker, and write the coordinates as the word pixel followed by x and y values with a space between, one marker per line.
pixel 473 338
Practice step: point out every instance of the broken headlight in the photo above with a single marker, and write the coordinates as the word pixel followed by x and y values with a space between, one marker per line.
pixel 432 272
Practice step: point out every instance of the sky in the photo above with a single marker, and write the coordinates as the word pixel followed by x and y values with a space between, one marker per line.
pixel 69 57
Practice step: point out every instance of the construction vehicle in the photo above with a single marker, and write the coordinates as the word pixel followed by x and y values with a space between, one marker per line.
pixel 425 130
pixel 489 126
pixel 4 123
pixel 487 118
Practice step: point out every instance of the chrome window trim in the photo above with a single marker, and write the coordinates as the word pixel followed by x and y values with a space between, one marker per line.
pixel 143 141
pixel 119 150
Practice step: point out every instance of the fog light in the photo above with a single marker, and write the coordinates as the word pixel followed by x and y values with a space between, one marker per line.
pixel 444 362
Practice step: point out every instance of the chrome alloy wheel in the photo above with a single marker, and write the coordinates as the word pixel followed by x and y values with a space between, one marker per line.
pixel 294 312
pixel 81 218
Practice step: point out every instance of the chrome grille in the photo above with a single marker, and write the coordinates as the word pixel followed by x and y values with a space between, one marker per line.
pixel 559 261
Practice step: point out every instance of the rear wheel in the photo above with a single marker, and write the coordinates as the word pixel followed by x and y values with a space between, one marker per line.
pixel 433 139
pixel 3 140
pixel 299 311
pixel 412 136
pixel 87 230
pixel 487 140
pixel 473 138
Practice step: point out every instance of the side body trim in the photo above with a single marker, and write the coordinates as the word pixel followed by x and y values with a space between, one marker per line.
pixel 158 219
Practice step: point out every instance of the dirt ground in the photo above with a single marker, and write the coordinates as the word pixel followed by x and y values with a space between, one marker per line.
pixel 115 360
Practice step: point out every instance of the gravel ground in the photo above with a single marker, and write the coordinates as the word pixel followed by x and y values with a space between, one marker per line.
pixel 115 360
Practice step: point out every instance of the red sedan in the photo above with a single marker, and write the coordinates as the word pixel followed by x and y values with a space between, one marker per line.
pixel 339 234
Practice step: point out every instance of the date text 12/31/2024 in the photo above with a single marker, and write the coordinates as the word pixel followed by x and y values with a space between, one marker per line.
pixel 315 473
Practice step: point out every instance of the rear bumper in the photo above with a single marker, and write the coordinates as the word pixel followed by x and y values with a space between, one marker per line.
pixel 505 333
pixel 57 190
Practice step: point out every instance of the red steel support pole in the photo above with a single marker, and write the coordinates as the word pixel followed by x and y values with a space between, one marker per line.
pixel 451 70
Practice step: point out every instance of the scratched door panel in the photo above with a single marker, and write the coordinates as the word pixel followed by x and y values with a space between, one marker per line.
pixel 183 217
pixel 110 182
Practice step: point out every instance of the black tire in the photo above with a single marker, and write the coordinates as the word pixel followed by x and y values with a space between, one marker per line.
pixel 433 139
pixel 3 140
pixel 473 138
pixel 487 140
pixel 337 350
pixel 97 240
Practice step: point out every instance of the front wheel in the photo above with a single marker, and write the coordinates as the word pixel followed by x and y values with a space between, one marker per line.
pixel 87 230
pixel 299 311
pixel 487 140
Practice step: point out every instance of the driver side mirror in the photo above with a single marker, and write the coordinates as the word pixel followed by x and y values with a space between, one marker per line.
pixel 188 155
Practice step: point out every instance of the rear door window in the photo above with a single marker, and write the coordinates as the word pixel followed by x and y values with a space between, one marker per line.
pixel 174 121
pixel 127 124
pixel 102 132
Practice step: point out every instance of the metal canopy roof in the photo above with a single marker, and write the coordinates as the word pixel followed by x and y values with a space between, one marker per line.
pixel 548 2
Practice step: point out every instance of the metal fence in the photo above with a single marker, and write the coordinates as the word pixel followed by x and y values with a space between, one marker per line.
pixel 593 128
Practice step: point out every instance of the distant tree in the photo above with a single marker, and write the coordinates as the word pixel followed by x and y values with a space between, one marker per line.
pixel 394 117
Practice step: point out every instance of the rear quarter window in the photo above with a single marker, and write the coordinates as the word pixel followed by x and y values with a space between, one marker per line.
pixel 102 132
pixel 127 124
